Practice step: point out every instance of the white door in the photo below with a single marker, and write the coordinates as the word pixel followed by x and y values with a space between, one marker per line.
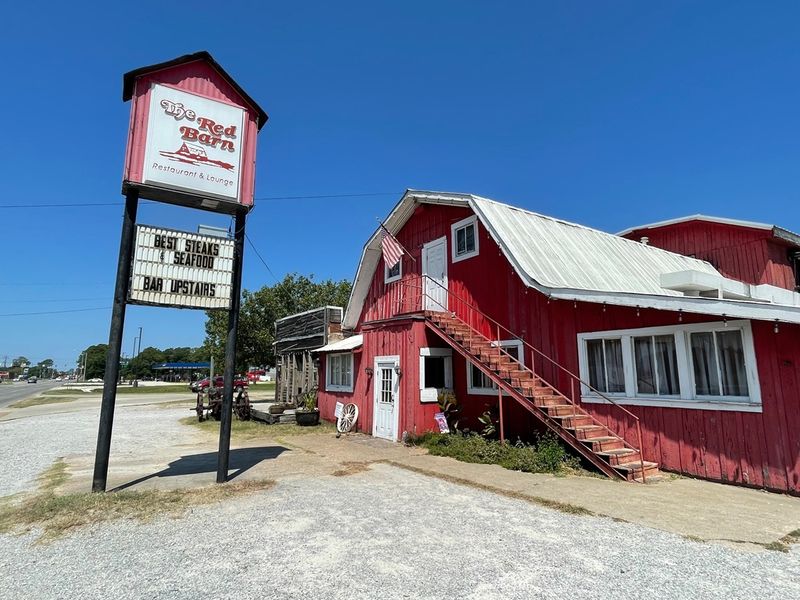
pixel 386 411
pixel 434 275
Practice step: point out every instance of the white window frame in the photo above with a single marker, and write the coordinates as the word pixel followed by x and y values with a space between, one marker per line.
pixel 473 220
pixel 432 394
pixel 386 277
pixel 330 387
pixel 686 381
pixel 492 391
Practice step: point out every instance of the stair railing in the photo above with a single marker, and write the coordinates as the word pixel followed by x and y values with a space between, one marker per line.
pixel 573 378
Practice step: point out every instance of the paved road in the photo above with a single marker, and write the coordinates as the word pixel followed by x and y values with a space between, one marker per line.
pixel 19 390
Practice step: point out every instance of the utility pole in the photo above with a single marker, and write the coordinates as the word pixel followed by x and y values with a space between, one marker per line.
pixel 140 341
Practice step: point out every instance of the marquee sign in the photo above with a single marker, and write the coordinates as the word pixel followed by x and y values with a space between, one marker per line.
pixel 194 144
pixel 181 269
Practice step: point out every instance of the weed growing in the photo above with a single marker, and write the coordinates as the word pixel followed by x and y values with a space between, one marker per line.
pixel 545 456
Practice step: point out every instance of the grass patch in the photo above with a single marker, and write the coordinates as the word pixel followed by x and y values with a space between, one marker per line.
pixel 351 468
pixel 39 400
pixel 547 455
pixel 247 430
pixel 56 515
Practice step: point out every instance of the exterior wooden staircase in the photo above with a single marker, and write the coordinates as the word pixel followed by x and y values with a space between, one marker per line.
pixel 601 446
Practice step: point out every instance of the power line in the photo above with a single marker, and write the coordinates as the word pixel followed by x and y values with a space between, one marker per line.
pixel 38 301
pixel 258 254
pixel 265 198
pixel 54 312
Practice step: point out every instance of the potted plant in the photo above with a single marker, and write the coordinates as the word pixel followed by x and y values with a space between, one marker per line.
pixel 307 412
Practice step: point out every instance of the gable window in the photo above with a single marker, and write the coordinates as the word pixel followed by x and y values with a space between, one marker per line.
pixel 435 372
pixel 339 372
pixel 705 365
pixel 478 383
pixel 464 238
pixel 393 273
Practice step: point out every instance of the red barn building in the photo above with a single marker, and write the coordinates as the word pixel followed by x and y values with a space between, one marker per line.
pixel 637 356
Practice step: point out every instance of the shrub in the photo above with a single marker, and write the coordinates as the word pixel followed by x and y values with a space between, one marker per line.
pixel 545 456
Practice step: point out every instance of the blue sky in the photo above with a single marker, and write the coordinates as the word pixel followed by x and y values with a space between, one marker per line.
pixel 610 114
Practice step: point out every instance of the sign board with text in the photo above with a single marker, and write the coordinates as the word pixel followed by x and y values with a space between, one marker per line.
pixel 181 269
pixel 194 144
pixel 192 135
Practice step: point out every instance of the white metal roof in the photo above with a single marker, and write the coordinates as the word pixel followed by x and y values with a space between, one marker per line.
pixel 569 261
pixel 349 343
pixel 558 255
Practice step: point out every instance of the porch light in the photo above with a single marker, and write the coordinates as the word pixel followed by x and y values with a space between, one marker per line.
pixel 398 370
pixel 369 371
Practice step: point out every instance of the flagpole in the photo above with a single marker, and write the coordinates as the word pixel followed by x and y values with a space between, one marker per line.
pixel 396 240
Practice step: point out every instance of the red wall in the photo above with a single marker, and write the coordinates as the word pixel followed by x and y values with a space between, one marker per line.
pixel 756 449
pixel 751 255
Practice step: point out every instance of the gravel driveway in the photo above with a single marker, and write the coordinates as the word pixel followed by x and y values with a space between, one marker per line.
pixel 382 533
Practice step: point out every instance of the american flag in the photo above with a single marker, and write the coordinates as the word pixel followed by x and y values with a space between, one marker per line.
pixel 392 250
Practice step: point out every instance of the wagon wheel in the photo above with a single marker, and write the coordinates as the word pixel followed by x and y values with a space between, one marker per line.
pixel 347 421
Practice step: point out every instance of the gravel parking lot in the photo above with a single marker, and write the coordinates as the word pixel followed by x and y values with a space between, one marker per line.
pixel 380 533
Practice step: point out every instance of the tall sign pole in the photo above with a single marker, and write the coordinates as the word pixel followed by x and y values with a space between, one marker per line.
pixel 230 350
pixel 111 377
pixel 191 142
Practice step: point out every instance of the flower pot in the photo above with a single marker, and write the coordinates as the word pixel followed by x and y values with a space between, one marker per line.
pixel 305 418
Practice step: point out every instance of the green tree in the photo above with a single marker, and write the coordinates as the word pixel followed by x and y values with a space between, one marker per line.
pixel 95 361
pixel 20 361
pixel 142 365
pixel 260 310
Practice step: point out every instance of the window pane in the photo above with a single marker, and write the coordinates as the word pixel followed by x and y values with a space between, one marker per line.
pixel 469 235
pixel 347 375
pixel 479 380
pixel 667 365
pixel 616 374
pixel 393 271
pixel 597 365
pixel 461 241
pixel 512 351
pixel 645 365
pixel 731 363
pixel 434 372
pixel 706 380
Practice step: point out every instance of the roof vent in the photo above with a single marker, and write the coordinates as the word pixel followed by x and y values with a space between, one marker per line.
pixel 645 240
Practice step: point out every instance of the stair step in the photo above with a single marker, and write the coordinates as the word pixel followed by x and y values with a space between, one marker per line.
pixel 564 409
pixel 604 442
pixel 633 470
pixel 545 401
pixel 575 422
pixel 620 456
pixel 588 432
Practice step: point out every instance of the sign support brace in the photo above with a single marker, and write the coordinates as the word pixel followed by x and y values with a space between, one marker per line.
pixel 111 377
pixel 223 457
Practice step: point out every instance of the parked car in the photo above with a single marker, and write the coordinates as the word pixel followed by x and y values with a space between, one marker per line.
pixel 238 383
pixel 32 380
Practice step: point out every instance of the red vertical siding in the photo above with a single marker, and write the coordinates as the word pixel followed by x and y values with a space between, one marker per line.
pixel 759 449
pixel 743 253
